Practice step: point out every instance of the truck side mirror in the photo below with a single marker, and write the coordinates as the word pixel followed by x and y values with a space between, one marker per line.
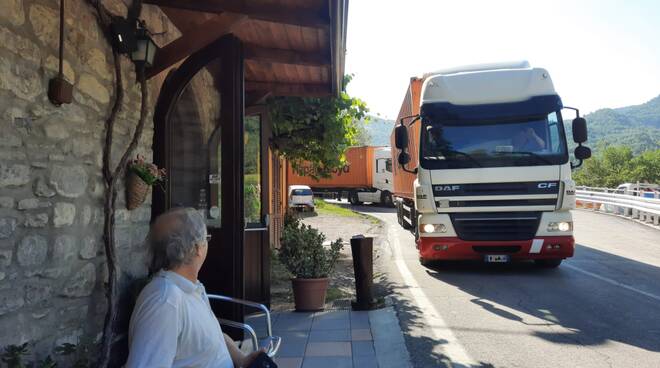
pixel 582 152
pixel 403 158
pixel 579 130
pixel 401 138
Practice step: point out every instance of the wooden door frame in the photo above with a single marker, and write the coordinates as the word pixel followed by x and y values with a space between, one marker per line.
pixel 266 132
pixel 230 50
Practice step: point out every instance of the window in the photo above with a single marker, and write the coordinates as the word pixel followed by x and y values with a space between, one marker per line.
pixel 252 169
pixel 302 192
pixel 194 172
pixel 508 142
pixel 388 165
pixel 553 132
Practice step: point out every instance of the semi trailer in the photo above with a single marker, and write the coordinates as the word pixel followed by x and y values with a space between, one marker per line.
pixel 482 165
pixel 366 177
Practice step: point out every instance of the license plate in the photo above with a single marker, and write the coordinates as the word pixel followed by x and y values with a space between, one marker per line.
pixel 498 258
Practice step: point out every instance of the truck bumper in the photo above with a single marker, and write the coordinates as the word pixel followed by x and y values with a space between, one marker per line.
pixel 542 247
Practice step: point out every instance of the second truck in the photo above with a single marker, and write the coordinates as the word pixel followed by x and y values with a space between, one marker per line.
pixel 366 177
pixel 483 169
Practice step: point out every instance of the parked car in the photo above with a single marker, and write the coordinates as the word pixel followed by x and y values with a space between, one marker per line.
pixel 636 188
pixel 301 197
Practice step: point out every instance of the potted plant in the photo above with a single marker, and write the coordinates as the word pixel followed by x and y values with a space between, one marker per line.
pixel 309 261
pixel 142 176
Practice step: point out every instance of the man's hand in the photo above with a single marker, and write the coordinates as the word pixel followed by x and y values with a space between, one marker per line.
pixel 247 359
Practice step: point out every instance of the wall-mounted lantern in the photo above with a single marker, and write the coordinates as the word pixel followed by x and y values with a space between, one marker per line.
pixel 144 53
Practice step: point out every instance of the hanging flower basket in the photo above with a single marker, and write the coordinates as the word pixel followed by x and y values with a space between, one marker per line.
pixel 136 191
pixel 141 177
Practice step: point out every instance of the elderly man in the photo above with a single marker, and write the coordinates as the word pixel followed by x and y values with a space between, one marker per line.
pixel 172 324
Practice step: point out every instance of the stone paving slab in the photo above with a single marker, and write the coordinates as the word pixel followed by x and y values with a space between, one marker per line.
pixel 340 339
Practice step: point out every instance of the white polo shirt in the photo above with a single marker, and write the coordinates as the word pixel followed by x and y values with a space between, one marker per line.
pixel 173 325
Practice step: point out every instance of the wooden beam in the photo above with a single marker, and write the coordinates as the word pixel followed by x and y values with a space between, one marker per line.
pixel 275 13
pixel 290 89
pixel 258 53
pixel 194 40
pixel 256 98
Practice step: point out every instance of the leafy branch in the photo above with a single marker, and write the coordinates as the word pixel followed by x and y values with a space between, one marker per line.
pixel 313 133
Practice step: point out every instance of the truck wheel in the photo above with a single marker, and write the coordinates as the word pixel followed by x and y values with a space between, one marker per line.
pixel 426 262
pixel 353 198
pixel 386 199
pixel 405 224
pixel 548 263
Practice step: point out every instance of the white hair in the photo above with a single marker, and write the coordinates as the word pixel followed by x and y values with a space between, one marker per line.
pixel 173 237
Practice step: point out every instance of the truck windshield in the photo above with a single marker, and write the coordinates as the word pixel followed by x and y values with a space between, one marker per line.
pixel 514 142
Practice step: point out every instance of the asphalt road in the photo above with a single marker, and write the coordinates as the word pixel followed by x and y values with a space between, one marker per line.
pixel 598 309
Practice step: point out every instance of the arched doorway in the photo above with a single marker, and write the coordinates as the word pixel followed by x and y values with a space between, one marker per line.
pixel 201 140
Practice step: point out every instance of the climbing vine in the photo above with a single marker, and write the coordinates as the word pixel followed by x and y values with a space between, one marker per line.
pixel 112 176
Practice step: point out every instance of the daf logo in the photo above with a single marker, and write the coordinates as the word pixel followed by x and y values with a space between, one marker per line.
pixel 447 188
pixel 546 185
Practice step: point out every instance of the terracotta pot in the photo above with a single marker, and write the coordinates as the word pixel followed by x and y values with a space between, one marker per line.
pixel 136 191
pixel 309 294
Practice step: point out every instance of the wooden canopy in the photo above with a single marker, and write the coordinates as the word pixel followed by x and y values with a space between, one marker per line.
pixel 291 47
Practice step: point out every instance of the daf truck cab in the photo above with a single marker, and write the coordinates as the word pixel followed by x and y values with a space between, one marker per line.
pixel 483 165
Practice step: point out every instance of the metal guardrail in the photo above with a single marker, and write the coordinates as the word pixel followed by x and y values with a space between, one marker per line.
pixel 640 205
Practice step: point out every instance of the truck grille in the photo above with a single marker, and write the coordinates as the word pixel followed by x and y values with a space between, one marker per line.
pixel 496 226
pixel 490 189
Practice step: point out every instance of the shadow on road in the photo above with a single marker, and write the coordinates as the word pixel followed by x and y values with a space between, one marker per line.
pixel 424 351
pixel 592 310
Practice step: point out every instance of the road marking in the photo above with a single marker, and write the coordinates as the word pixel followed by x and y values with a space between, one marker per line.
pixel 452 348
pixel 613 282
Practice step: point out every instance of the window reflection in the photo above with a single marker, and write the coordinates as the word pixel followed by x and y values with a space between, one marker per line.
pixel 195 146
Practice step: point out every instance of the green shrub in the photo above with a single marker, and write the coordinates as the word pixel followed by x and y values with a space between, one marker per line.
pixel 303 253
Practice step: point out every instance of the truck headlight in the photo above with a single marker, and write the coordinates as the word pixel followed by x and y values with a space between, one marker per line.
pixel 433 228
pixel 563 226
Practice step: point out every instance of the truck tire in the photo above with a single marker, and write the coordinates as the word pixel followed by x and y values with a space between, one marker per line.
pixel 354 199
pixel 548 263
pixel 386 199
pixel 405 224
pixel 426 262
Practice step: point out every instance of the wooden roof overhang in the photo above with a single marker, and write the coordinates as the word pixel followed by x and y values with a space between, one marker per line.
pixel 291 47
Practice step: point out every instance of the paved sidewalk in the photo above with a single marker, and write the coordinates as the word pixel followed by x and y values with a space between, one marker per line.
pixel 340 339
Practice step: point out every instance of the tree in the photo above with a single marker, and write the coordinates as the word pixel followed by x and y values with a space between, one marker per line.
pixel 646 167
pixel 611 168
pixel 315 132
pixel 616 165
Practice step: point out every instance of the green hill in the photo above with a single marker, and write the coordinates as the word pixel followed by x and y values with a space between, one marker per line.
pixel 637 127
pixel 378 131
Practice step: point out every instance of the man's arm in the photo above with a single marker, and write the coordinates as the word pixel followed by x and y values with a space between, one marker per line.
pixel 240 360
pixel 153 332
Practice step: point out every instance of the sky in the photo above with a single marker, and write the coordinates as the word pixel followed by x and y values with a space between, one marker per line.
pixel 599 53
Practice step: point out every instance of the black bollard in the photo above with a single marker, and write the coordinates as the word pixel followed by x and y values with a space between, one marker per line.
pixel 363 267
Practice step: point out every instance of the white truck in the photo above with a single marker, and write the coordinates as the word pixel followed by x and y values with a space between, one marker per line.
pixel 483 167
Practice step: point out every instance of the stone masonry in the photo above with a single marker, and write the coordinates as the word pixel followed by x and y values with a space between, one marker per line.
pixel 51 188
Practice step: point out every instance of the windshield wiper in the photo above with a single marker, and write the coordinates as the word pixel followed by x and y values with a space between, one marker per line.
pixel 533 154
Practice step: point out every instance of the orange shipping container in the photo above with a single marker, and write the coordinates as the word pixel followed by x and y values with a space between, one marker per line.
pixel 358 172
pixel 403 181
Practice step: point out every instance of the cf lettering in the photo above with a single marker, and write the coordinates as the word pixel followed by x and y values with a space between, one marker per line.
pixel 547 185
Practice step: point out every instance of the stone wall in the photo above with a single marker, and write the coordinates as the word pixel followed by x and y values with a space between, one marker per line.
pixel 51 189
